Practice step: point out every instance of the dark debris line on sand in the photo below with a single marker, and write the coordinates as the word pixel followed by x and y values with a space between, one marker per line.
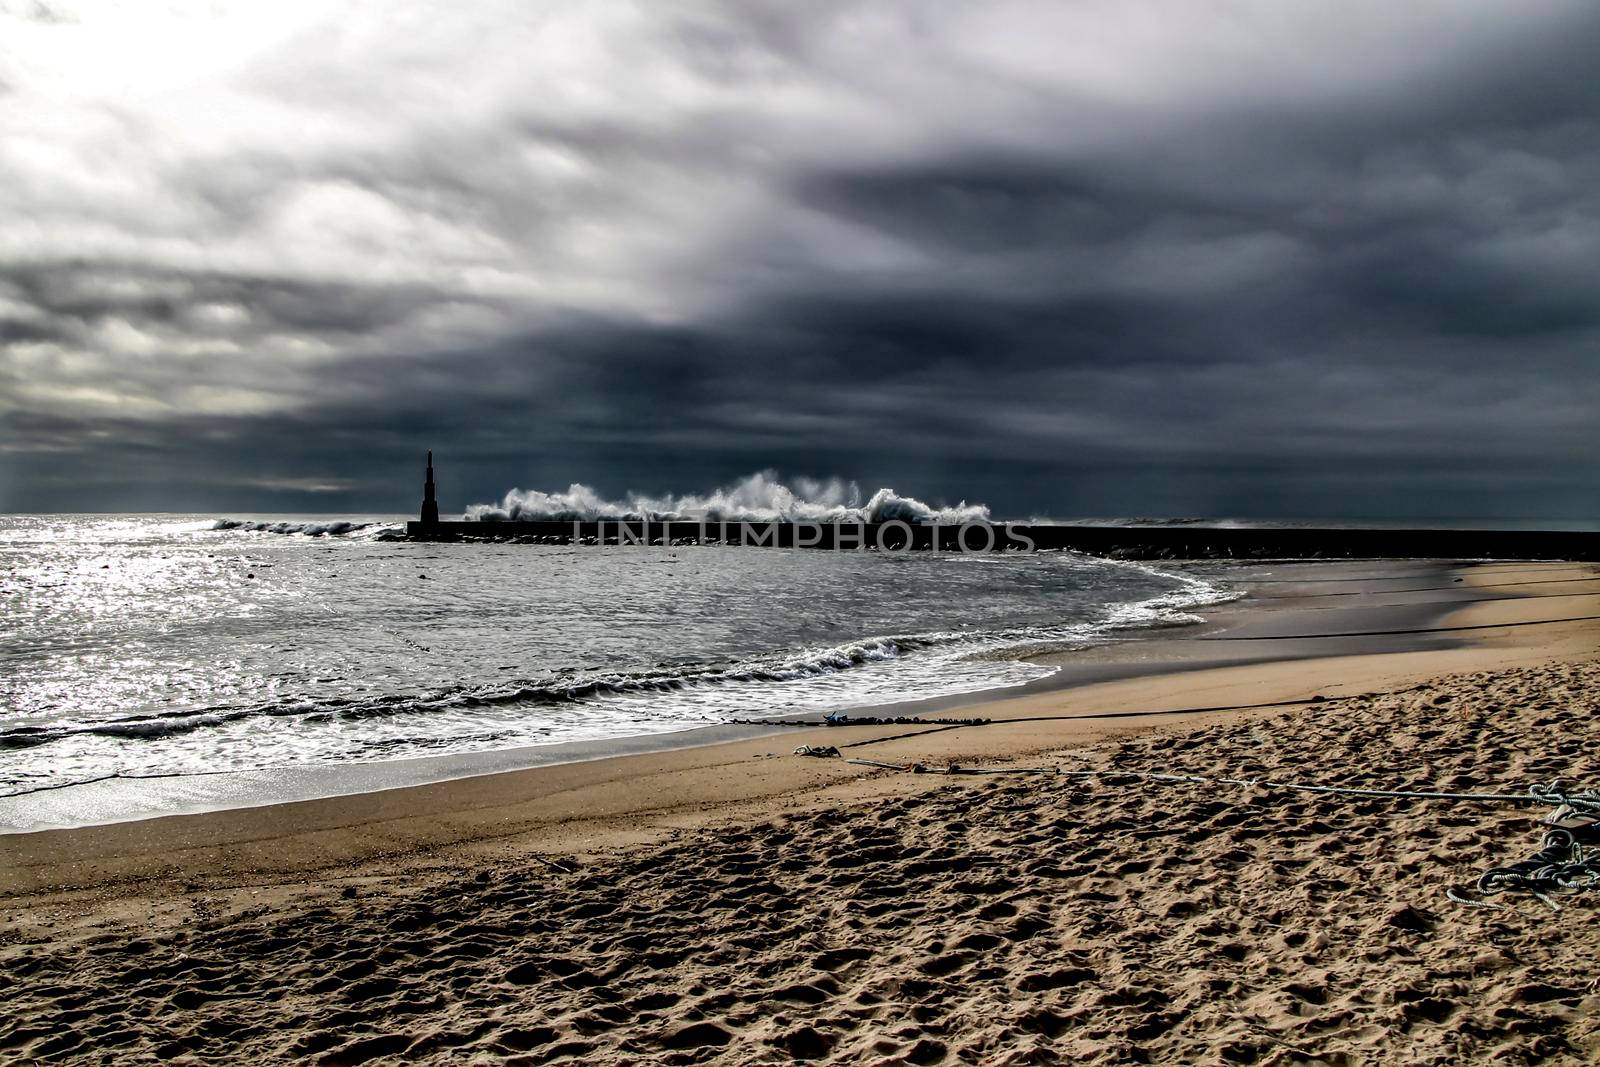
pixel 980 921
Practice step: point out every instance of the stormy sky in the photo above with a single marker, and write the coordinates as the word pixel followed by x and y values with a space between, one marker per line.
pixel 1086 257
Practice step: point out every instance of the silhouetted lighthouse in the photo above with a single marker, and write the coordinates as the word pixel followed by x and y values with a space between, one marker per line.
pixel 430 506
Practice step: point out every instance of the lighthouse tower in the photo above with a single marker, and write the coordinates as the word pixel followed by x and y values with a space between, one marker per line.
pixel 430 506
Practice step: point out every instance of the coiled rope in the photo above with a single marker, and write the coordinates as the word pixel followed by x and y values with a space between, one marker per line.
pixel 1568 860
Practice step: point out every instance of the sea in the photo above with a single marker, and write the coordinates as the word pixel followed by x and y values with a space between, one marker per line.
pixel 160 646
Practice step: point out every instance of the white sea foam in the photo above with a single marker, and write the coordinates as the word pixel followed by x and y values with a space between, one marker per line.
pixel 760 497
pixel 1169 609
pixel 330 528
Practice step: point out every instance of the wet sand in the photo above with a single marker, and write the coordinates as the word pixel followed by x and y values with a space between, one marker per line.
pixel 739 903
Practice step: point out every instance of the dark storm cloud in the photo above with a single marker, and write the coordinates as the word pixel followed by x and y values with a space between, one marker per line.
pixel 1245 265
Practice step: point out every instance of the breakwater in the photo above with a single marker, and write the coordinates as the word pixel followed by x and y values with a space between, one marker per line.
pixel 1118 542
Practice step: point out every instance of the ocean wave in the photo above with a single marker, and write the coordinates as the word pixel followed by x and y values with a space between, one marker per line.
pixel 1168 609
pixel 759 497
pixel 1175 608
pixel 330 528
pixel 777 668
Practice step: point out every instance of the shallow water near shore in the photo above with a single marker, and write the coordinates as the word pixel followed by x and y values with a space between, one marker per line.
pixel 139 646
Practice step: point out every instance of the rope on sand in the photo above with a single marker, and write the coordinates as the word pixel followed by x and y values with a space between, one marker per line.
pixel 840 719
pixel 1535 795
pixel 1567 863
pixel 1421 630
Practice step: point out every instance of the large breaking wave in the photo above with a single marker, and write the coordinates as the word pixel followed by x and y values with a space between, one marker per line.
pixel 760 497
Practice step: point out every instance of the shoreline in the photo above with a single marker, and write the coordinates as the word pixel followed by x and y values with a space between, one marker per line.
pixel 1116 654
pixel 585 804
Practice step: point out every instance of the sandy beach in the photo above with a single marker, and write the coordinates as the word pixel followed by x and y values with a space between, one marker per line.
pixel 739 903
